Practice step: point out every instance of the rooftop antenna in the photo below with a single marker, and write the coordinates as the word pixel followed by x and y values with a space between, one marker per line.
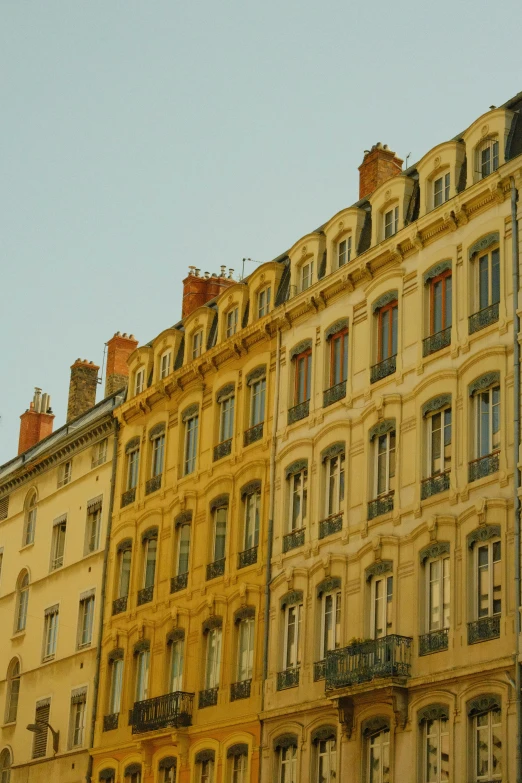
pixel 99 379
pixel 406 161
pixel 243 267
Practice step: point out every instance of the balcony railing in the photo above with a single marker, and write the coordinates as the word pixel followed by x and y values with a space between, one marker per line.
pixel 334 393
pixel 384 368
pixel 289 678
pixel 247 557
pixel 153 484
pixel 435 342
pixel 319 670
pixel 110 722
pixel 294 539
pixel 433 642
pixel 119 605
pixel 253 434
pixel 381 505
pixel 364 661
pixel 240 690
pixel 435 484
pixel 170 710
pixel 484 317
pixel 483 466
pixel 484 629
pixel 223 449
pixel 330 525
pixel 298 412
pixel 217 568
pixel 145 595
pixel 178 582
pixel 128 497
pixel 208 698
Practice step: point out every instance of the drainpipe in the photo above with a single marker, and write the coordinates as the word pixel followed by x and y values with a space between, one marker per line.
pixel 271 505
pixel 516 475
pixel 88 776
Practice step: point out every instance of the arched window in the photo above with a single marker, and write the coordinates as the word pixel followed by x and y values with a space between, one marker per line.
pixel 5 766
pixel 30 518
pixel 22 598
pixel 13 690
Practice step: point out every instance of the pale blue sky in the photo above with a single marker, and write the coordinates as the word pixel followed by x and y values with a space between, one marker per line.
pixel 140 137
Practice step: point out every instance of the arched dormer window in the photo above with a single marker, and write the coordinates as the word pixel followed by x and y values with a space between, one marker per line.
pixel 22 599
pixel 13 691
pixel 30 518
pixel 487 156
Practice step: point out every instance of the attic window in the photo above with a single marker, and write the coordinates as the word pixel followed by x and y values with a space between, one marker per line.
pixel 344 251
pixel 197 344
pixel 391 222
pixel 139 381
pixel 487 157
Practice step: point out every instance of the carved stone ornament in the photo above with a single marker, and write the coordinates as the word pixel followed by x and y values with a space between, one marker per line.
pixel 333 451
pixel 304 345
pixel 239 749
pixel 225 391
pixel 390 296
pixel 212 622
pixel 375 725
pixel 436 270
pixel 142 646
pixel 132 769
pixel 329 584
pixel 433 712
pixel 377 569
pixel 436 162
pixel 482 704
pixel 219 502
pixel 324 733
pixel 387 195
pixel 132 444
pixel 256 374
pixel 436 403
pixel 184 518
pixel 204 755
pixel 107 774
pixel 176 635
pixel 168 762
pixel 115 655
pixel 345 712
pixel 285 741
pixel 124 545
pixel 250 488
pixel 150 534
pixel 483 534
pixel 484 243
pixel 342 323
pixel 434 550
pixel 296 467
pixel 484 382
pixel 245 613
pixel 189 412
pixel 292 598
pixel 157 430
pixel 381 428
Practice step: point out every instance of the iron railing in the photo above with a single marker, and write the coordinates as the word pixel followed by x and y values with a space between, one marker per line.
pixel 110 722
pixel 178 582
pixel 208 698
pixel 484 317
pixel 145 595
pixel 298 412
pixel 381 505
pixel 294 539
pixel 435 342
pixel 247 557
pixel 434 641
pixel 483 466
pixel 240 690
pixel 128 497
pixel 334 393
pixel 217 568
pixel 319 670
pixel 289 678
pixel 253 434
pixel 435 484
pixel 170 710
pixel 330 525
pixel 389 656
pixel 153 484
pixel 119 605
pixel 223 449
pixel 383 369
pixel 484 629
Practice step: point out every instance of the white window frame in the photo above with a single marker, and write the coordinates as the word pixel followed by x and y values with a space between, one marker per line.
pixel 292 657
pixel 65 473
pixel 440 585
pixel 492 254
pixel 59 535
pixel 165 362
pixel 121 573
pixel 263 301
pixel 491 144
pixel 197 344
pixel 335 484
pixel 147 548
pixel 438 731
pixel 391 222
pixel 158 455
pixel 176 664
pixel 379 606
pixel 13 692
pixel 384 749
pixel 334 598
pixel 490 547
pixel 344 251
pixel 215 539
pixel 298 496
pixel 493 408
pixel 30 521
pixel 306 274
pixel 326 763
pixel 22 603
pixel 99 453
pixel 252 505
pixel 206 771
pixel 258 402
pixel 133 467
pixel 92 537
pixel 142 675
pixel 231 321
pixel 139 381
pixel 388 453
pixel 85 621
pixel 489 727
pixel 441 194
pixel 226 418
pixel 50 639
pixel 213 652
pixel 180 540
pixel 190 448
pixel 239 768
pixel 245 649
pixel 287 764
pixel 116 686
pixel 444 427
pixel 77 724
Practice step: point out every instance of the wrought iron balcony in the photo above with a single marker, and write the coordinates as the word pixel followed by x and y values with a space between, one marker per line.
pixel 223 449
pixel 484 317
pixel 208 698
pixel 319 670
pixel 119 605
pixel 330 525
pixel 240 690
pixel 153 484
pixel 389 656
pixel 433 642
pixel 217 568
pixel 170 710
pixel 298 412
pixel 178 582
pixel 128 497
pixel 145 595
pixel 289 678
pixel 293 539
pixel 334 393
pixel 381 505
pixel 435 484
pixel 484 629
pixel 483 466
pixel 247 557
pixel 384 368
pixel 110 722
pixel 253 434
pixel 435 342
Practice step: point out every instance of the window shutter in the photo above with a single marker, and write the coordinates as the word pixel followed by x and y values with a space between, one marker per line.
pixel 42 712
pixel 4 507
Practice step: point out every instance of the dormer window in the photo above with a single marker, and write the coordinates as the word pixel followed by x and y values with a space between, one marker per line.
pixel 441 190
pixel 165 363
pixel 197 344
pixel 487 157
pixel 391 222
pixel 307 271
pixel 232 321
pixel 263 302
pixel 139 382
pixel 344 251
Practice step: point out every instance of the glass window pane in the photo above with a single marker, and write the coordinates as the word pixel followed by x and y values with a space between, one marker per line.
pixel 483 282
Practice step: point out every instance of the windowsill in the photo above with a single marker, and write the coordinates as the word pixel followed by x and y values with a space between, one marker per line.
pixel 26 546
pixel 49 658
pixel 85 646
pixel 8 725
pixel 18 635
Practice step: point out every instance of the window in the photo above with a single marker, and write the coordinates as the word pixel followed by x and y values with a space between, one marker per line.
pixel 391 222
pixel 231 320
pixel 292 637
pixel 13 691
pixel 435 750
pixel 487 157
pixel 206 771
pixel 41 715
pixel 139 381
pixel 1 561
pixel 298 499
pixel 30 520
pixel 330 622
pixel 183 549
pixel 226 418
pixel 99 453
pixel 168 770
pixel 344 251
pixel 92 533
pixel 387 322
pixel 487 421
pixel 150 547
pixel 440 302
pixel 158 453
pixel 191 443
pixel 58 543
pixel 133 774
pixel 338 357
pixel 116 671
pixel 176 665
pixel 252 501
pixel 334 468
pixel 439 442
pixel 263 302
pixel 245 655
pixel 197 344
pixel 22 601
pixel 213 662
pixel 50 632
pixel 441 190
pixel 5 766
pixel 489 579
pixel 287 772
pixel 384 481
pixel 303 376
pixel 438 594
pixel 64 473
pixel 307 271
pixel 77 718
pixel 326 760
pixel 382 596
pixel 85 620
pixel 487 746
pixel 378 757
pixel 257 402
pixel 142 675
pixel 165 362
pixel 124 572
pixel 220 533
pixel 239 768
pixel 133 459
pixel 488 279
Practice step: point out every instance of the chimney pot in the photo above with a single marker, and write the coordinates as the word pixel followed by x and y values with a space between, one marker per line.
pixel 379 165
pixel 82 388
pixel 35 425
pixel 119 348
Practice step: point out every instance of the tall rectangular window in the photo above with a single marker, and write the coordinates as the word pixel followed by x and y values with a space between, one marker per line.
pixel 288 765
pixel 220 532
pixel 263 302
pixel 344 251
pixel 133 459
pixel 85 621
pixel 139 381
pixel 99 453
pixel 384 446
pixel 183 549
pixel 378 758
pixel 176 665
pixel 239 769
pixel 334 467
pixel 252 502
pixel 165 363
pixel 58 543
pixel 191 444
pixel 487 157
pixel 245 656
pixel 440 303
pixel 257 402
pixel 158 455
pixel 339 357
pixel 232 318
pixel 388 318
pixel 326 761
pixel 41 716
pixel 298 499
pixel 303 377
pixel 64 473
pixel 213 664
pixel 226 418
pixel 292 640
pixel 124 572
pixel 438 573
pixel 382 590
pixel 30 522
pixel 391 222
pixel 142 675
pixel 197 344
pixel 50 632
pixel 435 751
pixel 489 278
pixel 149 561
pixel 307 271
pixel 487 421
pixel 206 771
pixel 441 190
pixel 93 527
pixel 116 669
pixel 489 579
pixel 487 747
pixel 77 719
pixel 330 622
pixel 439 442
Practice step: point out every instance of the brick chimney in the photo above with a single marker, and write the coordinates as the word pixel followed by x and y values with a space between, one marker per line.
pixel 198 290
pixel 82 388
pixel 37 421
pixel 119 348
pixel 379 164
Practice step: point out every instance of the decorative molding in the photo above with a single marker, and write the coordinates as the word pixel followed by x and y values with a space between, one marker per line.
pixel 337 326
pixel 205 755
pixel 485 703
pixel 377 569
pixel 116 654
pixel 483 244
pixel 296 467
pixel 189 412
pixel 436 270
pixel 157 430
pixel 250 488
pixel 214 621
pixel 150 534
pixel 132 769
pixel 382 301
pixel 304 345
pixel 176 635
pixel 132 444
pixel 285 741
pixel 381 428
pixel 184 518
pixel 245 613
pixel 436 403
pixel 374 725
pixel 220 501
pixel 168 762
pixel 239 749
pixel 142 646
pixel 107 774
pixel 256 374
pixel 483 534
pixel 328 584
pixel 433 712
pixel 484 382
pixel 225 391
pixel 333 451
pixel 291 598
pixel 324 733
pixel 434 550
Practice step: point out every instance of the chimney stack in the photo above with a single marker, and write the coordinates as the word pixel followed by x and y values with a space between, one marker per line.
pixel 37 421
pixel 197 290
pixel 119 348
pixel 379 164
pixel 82 388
